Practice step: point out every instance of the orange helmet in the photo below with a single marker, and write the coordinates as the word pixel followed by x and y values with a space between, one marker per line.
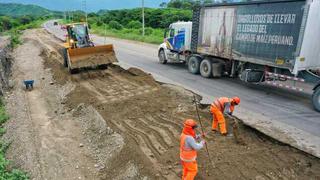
pixel 190 123
pixel 236 100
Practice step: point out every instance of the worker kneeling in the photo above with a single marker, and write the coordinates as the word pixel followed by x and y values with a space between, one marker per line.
pixel 188 149
pixel 219 107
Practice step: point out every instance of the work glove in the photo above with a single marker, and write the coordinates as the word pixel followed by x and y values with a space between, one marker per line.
pixel 199 136
pixel 203 142
pixel 203 135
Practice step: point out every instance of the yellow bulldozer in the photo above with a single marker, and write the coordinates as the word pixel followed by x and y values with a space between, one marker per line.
pixel 80 53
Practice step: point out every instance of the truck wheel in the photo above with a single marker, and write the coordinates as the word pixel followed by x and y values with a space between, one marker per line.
pixel 194 65
pixel 316 99
pixel 206 68
pixel 65 57
pixel 162 57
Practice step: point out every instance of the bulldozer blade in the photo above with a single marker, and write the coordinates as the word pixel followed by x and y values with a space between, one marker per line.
pixel 91 57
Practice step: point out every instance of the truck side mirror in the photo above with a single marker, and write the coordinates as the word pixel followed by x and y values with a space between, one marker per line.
pixel 165 33
pixel 171 33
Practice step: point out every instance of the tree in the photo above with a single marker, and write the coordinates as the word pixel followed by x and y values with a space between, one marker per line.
pixel 115 25
pixel 6 23
pixel 25 20
pixel 163 5
pixel 134 25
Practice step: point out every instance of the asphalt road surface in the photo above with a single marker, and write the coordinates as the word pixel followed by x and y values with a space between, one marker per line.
pixel 282 114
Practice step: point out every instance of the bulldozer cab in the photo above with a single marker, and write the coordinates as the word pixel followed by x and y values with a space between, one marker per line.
pixel 78 35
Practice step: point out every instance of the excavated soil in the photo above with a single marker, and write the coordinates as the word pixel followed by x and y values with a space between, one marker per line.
pixel 148 117
pixel 93 60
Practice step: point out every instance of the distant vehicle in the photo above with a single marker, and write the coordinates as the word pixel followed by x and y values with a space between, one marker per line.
pixel 55 23
pixel 275 42
pixel 80 52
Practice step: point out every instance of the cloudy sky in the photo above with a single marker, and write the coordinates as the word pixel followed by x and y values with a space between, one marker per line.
pixel 92 5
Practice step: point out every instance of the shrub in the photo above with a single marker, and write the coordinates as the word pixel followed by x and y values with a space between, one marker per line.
pixel 147 31
pixel 99 23
pixel 115 25
pixel 134 25
pixel 14 39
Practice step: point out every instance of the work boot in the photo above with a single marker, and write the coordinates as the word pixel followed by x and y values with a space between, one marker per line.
pixel 227 134
pixel 214 130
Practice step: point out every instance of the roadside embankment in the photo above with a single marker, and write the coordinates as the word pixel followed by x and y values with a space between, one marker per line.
pixel 5 63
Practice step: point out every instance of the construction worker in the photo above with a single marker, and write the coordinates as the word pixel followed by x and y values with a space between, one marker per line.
pixel 220 107
pixel 188 149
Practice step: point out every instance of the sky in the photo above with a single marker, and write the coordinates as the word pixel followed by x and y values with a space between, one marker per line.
pixel 92 5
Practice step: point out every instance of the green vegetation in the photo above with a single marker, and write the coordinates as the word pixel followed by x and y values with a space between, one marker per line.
pixel 13 26
pixel 126 23
pixel 5 173
pixel 154 18
pixel 151 35
pixel 17 17
pixel 17 10
pixel 186 4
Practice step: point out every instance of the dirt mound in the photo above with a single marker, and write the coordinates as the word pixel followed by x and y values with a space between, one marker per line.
pixel 149 118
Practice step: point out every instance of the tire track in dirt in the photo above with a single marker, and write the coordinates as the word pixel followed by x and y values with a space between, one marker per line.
pixel 161 134
pixel 156 147
pixel 165 132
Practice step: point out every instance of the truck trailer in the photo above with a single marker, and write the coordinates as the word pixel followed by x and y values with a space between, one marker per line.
pixel 271 42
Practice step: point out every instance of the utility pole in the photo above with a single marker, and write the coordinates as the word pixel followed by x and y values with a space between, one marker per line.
pixel 84 6
pixel 143 32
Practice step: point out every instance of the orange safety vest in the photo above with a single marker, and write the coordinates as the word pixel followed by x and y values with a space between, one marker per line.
pixel 219 103
pixel 186 154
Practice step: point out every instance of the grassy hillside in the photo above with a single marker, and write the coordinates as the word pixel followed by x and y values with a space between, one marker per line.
pixel 15 10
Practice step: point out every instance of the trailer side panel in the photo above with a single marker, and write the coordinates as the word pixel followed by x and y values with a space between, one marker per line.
pixel 261 33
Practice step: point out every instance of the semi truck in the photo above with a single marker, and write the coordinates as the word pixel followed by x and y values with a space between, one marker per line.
pixel 263 42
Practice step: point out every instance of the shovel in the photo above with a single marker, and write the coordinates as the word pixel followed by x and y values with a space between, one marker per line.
pixel 235 128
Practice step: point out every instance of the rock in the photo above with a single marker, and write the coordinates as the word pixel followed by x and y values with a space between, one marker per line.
pixel 157 175
pixel 77 167
pixel 96 165
pixel 11 84
pixel 169 167
pixel 80 145
pixel 51 83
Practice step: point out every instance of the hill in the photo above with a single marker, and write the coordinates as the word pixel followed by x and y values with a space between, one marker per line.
pixel 13 9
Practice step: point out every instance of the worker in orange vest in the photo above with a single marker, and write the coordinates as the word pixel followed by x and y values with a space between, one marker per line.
pixel 220 107
pixel 188 149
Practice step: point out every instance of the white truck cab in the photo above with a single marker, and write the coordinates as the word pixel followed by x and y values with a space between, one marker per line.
pixel 177 43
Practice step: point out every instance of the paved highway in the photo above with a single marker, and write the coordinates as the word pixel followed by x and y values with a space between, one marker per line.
pixel 285 115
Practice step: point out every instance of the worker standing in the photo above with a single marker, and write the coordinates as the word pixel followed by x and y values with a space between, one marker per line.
pixel 219 107
pixel 188 149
